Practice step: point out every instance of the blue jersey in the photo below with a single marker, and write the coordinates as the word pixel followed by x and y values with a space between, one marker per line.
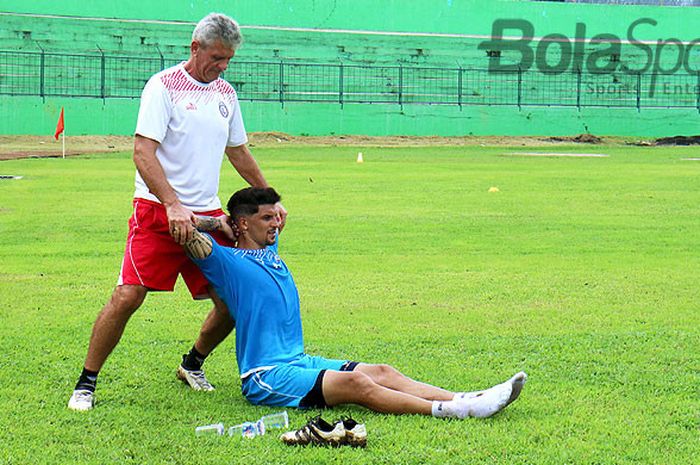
pixel 261 296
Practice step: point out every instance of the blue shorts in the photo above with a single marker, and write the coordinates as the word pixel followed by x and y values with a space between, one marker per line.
pixel 293 384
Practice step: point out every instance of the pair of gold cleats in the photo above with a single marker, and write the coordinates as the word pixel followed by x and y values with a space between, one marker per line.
pixel 343 432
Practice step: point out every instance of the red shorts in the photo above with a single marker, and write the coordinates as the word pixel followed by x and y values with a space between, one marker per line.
pixel 152 257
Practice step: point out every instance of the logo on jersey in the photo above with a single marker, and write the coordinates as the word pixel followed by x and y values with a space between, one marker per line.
pixel 191 106
pixel 223 109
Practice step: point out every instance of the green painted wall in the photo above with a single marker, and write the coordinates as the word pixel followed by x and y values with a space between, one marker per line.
pixel 431 16
pixel 31 115
pixel 457 17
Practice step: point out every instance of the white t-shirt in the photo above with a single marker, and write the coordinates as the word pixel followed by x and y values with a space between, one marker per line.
pixel 193 122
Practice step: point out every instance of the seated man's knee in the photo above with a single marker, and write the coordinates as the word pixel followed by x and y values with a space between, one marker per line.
pixel 383 373
pixel 360 383
pixel 355 387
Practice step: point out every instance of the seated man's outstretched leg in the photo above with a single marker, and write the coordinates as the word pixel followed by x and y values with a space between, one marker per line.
pixel 355 387
pixel 384 389
pixel 390 377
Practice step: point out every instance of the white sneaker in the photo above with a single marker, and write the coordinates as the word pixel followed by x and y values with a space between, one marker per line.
pixel 491 401
pixel 194 378
pixel 81 400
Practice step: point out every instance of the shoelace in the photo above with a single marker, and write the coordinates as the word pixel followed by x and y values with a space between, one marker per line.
pixel 199 377
pixel 83 395
pixel 308 433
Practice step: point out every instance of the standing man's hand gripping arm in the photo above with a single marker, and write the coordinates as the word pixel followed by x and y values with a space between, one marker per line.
pixel 180 219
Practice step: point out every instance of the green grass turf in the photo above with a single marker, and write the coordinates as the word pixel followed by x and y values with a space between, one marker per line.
pixel 581 271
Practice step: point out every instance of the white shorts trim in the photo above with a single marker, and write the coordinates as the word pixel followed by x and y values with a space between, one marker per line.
pixel 257 370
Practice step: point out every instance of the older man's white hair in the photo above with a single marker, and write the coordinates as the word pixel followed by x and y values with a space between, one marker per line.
pixel 217 27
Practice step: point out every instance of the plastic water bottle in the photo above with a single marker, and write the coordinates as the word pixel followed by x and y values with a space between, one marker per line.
pixel 248 429
pixel 217 429
pixel 276 420
pixel 251 429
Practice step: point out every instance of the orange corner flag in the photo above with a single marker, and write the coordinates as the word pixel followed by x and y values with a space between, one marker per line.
pixel 59 126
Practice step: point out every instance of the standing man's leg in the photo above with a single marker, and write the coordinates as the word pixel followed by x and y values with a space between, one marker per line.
pixel 106 333
pixel 152 260
pixel 217 326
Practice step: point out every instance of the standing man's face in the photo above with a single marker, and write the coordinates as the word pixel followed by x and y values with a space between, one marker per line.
pixel 210 61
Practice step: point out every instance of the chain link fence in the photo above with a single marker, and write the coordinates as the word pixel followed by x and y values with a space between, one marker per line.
pixel 50 74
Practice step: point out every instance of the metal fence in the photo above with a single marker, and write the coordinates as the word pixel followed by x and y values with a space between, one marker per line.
pixel 106 76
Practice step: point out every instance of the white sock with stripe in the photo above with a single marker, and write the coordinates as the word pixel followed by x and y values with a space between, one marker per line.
pixel 449 409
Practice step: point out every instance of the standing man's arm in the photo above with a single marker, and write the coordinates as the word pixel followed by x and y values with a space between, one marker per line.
pixel 180 219
pixel 243 161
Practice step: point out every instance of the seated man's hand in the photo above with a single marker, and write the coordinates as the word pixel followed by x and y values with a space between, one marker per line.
pixel 282 215
pixel 215 223
pixel 225 227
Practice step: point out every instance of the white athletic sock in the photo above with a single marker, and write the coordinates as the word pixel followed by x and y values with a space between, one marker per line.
pixel 481 404
pixel 449 409
pixel 467 395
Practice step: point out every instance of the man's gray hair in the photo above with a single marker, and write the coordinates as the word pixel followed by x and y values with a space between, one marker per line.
pixel 218 27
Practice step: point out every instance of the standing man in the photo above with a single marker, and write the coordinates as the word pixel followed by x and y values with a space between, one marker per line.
pixel 187 120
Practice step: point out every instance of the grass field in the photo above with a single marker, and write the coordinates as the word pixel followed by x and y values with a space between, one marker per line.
pixel 581 271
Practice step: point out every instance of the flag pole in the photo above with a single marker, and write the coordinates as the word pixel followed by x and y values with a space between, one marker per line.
pixel 63 139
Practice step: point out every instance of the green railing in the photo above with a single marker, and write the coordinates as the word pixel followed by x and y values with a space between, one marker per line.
pixel 50 74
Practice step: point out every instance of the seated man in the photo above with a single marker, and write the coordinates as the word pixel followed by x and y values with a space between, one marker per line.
pixel 260 293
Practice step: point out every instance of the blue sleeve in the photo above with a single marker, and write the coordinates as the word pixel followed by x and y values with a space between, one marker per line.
pixel 214 268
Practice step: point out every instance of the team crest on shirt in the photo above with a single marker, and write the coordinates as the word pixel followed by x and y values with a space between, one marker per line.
pixel 223 109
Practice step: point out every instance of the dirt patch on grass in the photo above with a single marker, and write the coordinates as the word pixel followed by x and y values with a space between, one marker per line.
pixel 678 140
pixel 669 141
pixel 13 147
pixel 276 138
pixel 580 139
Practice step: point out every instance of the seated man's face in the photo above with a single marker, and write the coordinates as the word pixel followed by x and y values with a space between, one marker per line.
pixel 262 226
